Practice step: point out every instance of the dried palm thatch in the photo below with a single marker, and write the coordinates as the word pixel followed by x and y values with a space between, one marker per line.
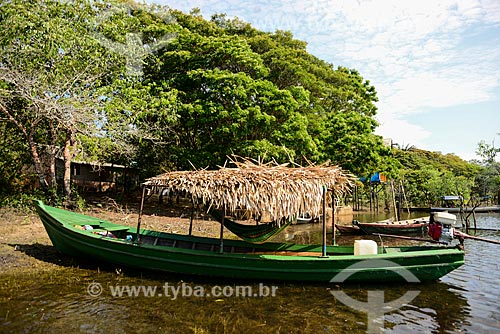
pixel 271 188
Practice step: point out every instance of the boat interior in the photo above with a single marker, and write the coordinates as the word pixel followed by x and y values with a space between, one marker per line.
pixel 230 246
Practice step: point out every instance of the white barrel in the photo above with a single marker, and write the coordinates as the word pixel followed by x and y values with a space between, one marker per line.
pixel 365 247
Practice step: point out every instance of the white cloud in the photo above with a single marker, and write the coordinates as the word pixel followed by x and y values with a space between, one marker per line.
pixel 422 60
pixel 492 12
pixel 401 131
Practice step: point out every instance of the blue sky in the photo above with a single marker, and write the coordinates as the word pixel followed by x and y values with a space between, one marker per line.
pixel 435 64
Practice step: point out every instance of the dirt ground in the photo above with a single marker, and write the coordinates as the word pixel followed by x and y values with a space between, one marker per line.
pixel 25 245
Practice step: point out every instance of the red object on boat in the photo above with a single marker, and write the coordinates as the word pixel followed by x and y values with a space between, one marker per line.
pixel 435 231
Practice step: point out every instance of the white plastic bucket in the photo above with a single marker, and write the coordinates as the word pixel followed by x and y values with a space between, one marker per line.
pixel 365 247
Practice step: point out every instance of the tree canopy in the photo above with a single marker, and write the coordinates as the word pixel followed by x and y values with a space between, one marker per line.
pixel 151 86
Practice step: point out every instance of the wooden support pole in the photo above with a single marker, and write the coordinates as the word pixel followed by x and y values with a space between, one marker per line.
pixel 394 199
pixel 141 209
pixel 334 228
pixel 324 221
pixel 371 195
pixel 221 239
pixel 191 218
pixel 467 236
pixel 399 203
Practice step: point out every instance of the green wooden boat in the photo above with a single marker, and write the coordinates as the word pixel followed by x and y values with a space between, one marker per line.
pixel 84 236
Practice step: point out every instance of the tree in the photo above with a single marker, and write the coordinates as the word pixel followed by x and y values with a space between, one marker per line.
pixel 50 71
pixel 225 103
pixel 488 181
pixel 429 175
pixel 225 112
pixel 14 156
pixel 108 80
pixel 341 103
pixel 63 64
pixel 253 93
pixel 487 152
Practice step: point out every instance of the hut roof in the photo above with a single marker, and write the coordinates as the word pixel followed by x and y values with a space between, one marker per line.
pixel 272 188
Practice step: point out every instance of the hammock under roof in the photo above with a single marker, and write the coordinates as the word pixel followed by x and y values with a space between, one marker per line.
pixel 252 233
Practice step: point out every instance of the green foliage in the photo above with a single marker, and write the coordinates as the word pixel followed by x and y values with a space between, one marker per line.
pixel 212 88
pixel 349 140
pixel 261 94
pixel 223 112
pixel 24 198
pixel 488 180
pixel 429 175
pixel 14 157
pixel 487 152
pixel 51 67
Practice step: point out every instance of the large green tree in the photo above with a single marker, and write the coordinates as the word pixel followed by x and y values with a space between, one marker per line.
pixel 226 102
pixel 49 77
pixel 117 81
pixel 61 64
pixel 253 93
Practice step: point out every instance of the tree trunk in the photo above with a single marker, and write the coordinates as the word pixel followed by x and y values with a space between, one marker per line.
pixel 68 156
pixel 52 169
pixel 52 166
pixel 38 164
pixel 34 152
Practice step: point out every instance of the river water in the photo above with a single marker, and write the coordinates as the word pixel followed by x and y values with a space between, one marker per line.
pixel 83 297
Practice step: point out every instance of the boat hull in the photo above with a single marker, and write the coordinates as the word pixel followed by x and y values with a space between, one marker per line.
pixel 239 260
pixel 352 229
pixel 419 229
pixel 406 227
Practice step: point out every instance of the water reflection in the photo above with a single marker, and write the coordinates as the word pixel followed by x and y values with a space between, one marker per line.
pixel 58 301
pixel 478 279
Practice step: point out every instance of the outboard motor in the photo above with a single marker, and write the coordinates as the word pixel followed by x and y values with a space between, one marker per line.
pixel 442 226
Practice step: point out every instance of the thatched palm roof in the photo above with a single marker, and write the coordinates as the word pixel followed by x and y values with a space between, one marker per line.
pixel 278 190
